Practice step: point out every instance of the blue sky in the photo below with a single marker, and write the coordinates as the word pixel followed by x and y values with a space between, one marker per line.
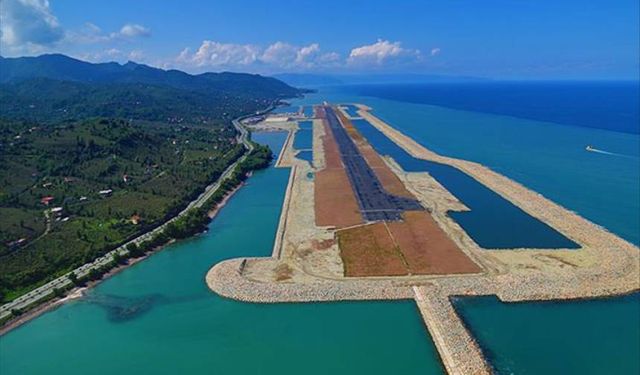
pixel 501 39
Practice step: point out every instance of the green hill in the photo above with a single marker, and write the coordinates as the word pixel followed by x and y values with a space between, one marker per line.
pixel 94 154
pixel 52 88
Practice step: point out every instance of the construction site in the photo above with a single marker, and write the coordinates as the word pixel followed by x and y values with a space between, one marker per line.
pixel 356 224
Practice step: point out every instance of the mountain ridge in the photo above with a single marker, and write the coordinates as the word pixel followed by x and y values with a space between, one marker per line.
pixel 50 88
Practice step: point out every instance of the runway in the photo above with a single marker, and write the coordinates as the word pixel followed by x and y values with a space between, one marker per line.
pixel 375 203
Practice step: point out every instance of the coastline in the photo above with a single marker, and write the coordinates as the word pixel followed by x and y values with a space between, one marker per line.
pixel 77 292
pixel 209 190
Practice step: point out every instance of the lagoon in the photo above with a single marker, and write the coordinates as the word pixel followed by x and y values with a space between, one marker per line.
pixel 492 222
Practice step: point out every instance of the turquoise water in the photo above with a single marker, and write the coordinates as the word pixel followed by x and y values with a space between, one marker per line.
pixel 159 317
pixel 303 139
pixel 351 110
pixel 306 155
pixel 306 124
pixel 308 111
pixel 287 109
pixel 578 337
pixel 492 222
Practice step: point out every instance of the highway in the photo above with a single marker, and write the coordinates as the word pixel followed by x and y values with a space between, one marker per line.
pixel 63 281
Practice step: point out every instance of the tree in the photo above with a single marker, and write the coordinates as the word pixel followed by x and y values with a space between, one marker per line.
pixel 73 278
pixel 117 258
pixel 94 274
pixel 134 250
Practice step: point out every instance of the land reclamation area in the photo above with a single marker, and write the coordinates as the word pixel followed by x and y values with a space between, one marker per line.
pixel 374 215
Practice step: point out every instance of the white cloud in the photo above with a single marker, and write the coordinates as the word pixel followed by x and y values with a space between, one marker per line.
pixel 132 30
pixel 312 57
pixel 28 25
pixel 113 54
pixel 217 54
pixel 91 33
pixel 382 52
pixel 435 51
pixel 307 53
pixel 136 55
pixel 279 55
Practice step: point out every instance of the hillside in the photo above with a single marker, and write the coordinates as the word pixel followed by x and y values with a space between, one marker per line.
pixel 53 88
pixel 53 216
pixel 64 68
pixel 94 154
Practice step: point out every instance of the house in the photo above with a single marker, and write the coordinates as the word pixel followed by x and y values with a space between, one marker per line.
pixel 46 200
pixel 135 219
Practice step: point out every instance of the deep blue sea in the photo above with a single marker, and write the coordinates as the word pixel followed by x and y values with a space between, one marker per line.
pixel 602 105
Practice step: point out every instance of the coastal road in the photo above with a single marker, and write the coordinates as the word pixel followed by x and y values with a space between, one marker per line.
pixel 63 281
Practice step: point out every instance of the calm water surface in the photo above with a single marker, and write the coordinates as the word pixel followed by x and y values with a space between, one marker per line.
pixel 577 337
pixel 305 155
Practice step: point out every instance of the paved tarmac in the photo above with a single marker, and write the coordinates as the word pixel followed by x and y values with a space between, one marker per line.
pixel 375 203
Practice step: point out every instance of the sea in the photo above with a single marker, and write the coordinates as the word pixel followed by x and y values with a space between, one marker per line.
pixel 159 317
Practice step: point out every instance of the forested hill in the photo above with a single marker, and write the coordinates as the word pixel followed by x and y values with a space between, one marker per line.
pixel 92 155
pixel 51 88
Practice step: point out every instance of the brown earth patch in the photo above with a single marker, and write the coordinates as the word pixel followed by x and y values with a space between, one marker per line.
pixel 427 248
pixel 335 202
pixel 369 250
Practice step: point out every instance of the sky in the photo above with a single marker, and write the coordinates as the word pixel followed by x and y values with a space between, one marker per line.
pixel 500 39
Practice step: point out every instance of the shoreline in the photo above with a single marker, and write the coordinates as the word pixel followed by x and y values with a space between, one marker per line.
pixel 209 190
pixel 77 292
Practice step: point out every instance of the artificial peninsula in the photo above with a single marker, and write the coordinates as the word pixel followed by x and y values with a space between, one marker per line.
pixel 369 214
